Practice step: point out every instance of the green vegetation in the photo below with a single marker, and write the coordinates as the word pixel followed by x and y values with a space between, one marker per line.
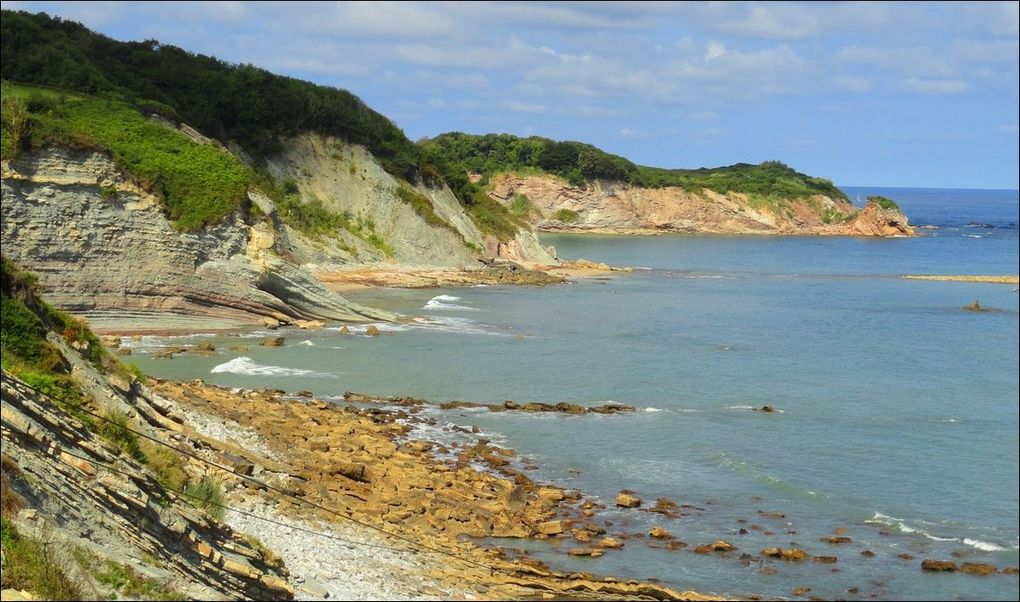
pixel 31 564
pixel 520 206
pixel 127 582
pixel 581 163
pixel 422 206
pixel 207 494
pixel 567 215
pixel 884 202
pixel 115 429
pixel 230 102
pixel 199 184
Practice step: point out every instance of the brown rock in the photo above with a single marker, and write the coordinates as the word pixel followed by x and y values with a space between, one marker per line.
pixel 272 342
pixel 610 542
pixel 794 554
pixel 581 535
pixel 938 565
pixel 975 568
pixel 771 514
pixel 836 540
pixel 974 307
pixel 666 507
pixel 867 554
pixel 592 552
pixel 345 331
pixel 627 499
pixel 270 323
pixel 1009 570
pixel 309 324
pixel 553 527
pixel 906 556
pixel 372 331
pixel 660 533
pixel 826 559
pixel 800 591
pixel 722 546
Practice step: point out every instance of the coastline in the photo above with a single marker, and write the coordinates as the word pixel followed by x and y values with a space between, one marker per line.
pixel 963 278
pixel 369 465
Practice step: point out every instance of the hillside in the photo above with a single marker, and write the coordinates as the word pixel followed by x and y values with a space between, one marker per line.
pixel 572 186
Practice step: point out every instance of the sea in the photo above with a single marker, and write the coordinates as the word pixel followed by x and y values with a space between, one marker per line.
pixel 896 411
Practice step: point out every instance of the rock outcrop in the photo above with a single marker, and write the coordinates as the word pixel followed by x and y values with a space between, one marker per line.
pixel 626 209
pixel 100 245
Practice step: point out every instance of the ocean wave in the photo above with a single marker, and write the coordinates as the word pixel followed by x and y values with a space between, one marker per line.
pixel 443 303
pixel 362 329
pixel 455 325
pixel 307 343
pixel 972 236
pixel 892 521
pixel 246 366
pixel 654 410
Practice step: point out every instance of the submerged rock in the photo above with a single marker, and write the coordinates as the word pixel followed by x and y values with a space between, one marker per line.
pixel 272 342
pixel 975 568
pixel 660 533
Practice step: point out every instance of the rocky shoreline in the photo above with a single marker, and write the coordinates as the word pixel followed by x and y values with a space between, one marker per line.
pixel 360 463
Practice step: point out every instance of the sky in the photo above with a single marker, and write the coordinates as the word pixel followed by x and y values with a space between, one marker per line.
pixel 873 94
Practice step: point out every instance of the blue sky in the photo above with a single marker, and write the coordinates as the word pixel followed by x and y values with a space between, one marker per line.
pixel 910 94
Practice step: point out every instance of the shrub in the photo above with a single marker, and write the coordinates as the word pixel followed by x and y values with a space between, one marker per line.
pixel 207 494
pixel 567 215
pixel 884 202
pixel 114 429
pixel 519 205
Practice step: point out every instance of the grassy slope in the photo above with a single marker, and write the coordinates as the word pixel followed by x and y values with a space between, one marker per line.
pixel 199 184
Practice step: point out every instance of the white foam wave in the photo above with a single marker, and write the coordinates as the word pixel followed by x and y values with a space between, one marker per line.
pixel 457 325
pixel 246 366
pixel 256 334
pixel 972 236
pixel 891 521
pixel 654 410
pixel 984 546
pixel 362 329
pixel 949 420
pixel 443 303
pixel 740 407
pixel 307 343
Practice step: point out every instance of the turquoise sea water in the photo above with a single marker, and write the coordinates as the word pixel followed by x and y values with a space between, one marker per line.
pixel 898 410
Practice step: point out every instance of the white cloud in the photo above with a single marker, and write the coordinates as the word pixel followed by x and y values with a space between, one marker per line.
pixel 936 86
pixel 851 83
pixel 632 133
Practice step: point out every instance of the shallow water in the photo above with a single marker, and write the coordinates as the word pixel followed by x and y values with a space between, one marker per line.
pixel 898 410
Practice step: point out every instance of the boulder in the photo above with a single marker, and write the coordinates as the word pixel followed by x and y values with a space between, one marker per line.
pixel 272 342
pixel 975 568
pixel 344 331
pixel 610 542
pixel 553 527
pixel 792 554
pixel 270 323
pixel 309 324
pixel 867 553
pixel 938 565
pixel 660 533
pixel 826 559
pixel 372 331
pixel 627 499
pixel 836 539
pixel 592 552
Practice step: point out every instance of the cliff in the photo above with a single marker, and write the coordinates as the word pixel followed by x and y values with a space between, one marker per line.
pixel 555 205
pixel 103 245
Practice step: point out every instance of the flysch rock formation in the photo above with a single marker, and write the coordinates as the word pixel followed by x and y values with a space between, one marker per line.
pixel 82 496
pixel 347 179
pixel 625 209
pixel 100 255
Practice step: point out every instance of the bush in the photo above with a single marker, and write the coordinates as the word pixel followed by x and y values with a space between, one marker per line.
pixel 567 215
pixel 884 202
pixel 520 206
pixel 207 494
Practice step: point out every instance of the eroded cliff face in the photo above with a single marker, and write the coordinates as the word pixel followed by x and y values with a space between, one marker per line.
pixel 626 209
pixel 347 179
pixel 99 243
